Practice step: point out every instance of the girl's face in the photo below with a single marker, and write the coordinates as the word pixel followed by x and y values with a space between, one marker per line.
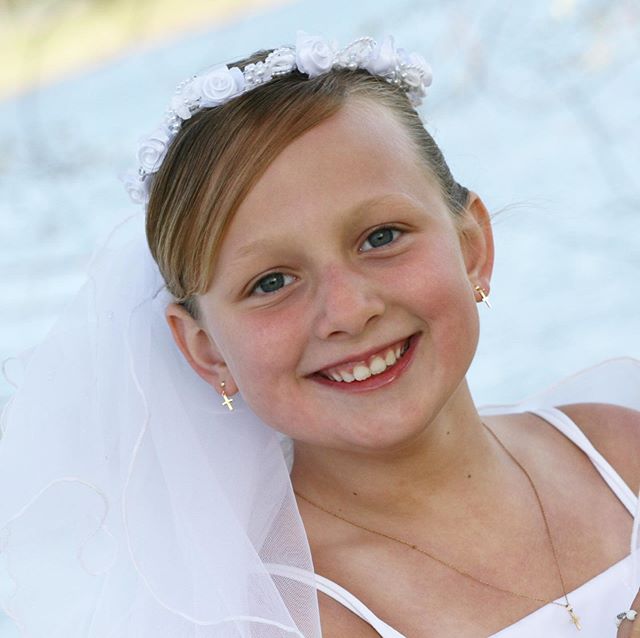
pixel 342 262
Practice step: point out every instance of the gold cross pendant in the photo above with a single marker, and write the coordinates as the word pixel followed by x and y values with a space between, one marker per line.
pixel 574 619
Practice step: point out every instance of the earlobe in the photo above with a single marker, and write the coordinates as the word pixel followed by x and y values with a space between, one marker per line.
pixel 476 239
pixel 199 349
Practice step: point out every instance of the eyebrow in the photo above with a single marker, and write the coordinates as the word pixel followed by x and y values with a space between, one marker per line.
pixel 258 245
pixel 264 244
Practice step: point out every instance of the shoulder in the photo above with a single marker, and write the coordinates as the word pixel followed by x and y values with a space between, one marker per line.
pixel 615 432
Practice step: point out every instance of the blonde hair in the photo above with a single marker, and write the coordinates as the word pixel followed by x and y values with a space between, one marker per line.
pixel 220 153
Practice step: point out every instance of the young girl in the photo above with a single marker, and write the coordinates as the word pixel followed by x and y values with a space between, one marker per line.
pixel 318 267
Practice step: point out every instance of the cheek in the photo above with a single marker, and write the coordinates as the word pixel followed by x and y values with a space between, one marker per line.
pixel 261 352
pixel 435 277
pixel 457 326
pixel 440 293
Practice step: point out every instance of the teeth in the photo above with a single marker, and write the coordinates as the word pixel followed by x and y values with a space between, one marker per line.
pixel 361 372
pixel 347 376
pixel 377 365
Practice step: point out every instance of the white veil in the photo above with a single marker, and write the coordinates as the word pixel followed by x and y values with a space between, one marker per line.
pixel 132 503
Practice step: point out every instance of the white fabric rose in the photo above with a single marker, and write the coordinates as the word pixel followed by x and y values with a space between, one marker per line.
pixel 136 187
pixel 314 55
pixel 152 150
pixel 384 59
pixel 219 85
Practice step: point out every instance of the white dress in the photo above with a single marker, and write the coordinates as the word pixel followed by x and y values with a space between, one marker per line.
pixel 598 600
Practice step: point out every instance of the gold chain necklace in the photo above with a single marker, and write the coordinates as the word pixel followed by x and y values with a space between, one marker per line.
pixel 574 618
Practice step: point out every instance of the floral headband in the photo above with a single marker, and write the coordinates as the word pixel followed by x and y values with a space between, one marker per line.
pixel 311 55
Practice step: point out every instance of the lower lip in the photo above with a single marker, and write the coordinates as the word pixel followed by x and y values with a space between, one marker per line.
pixel 375 381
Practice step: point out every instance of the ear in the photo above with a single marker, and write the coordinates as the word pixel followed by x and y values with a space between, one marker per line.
pixel 476 240
pixel 199 349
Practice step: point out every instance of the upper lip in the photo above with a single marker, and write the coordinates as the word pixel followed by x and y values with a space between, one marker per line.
pixel 362 356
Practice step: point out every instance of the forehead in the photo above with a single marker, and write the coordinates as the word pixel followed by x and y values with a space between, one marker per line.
pixel 360 153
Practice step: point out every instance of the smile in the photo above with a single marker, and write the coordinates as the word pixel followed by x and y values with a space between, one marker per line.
pixel 362 370
pixel 371 372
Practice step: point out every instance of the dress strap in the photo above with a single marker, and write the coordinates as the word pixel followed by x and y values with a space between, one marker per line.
pixel 335 591
pixel 564 424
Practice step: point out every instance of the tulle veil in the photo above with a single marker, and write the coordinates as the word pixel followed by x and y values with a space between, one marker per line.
pixel 131 502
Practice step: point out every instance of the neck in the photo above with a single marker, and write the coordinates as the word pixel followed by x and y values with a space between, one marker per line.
pixel 452 453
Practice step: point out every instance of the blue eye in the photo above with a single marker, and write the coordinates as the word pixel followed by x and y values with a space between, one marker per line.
pixel 381 237
pixel 272 282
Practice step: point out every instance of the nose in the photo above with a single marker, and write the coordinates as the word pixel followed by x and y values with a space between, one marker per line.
pixel 346 302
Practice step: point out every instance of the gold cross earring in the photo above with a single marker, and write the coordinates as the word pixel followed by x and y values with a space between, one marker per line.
pixel 483 295
pixel 228 401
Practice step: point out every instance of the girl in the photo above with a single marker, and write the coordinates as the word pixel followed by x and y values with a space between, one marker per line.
pixel 316 264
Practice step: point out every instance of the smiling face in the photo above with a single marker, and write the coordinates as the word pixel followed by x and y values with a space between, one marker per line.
pixel 342 306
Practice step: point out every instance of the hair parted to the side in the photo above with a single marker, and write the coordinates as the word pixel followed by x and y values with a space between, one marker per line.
pixel 221 152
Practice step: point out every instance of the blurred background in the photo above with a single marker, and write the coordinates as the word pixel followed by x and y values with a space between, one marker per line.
pixel 534 104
